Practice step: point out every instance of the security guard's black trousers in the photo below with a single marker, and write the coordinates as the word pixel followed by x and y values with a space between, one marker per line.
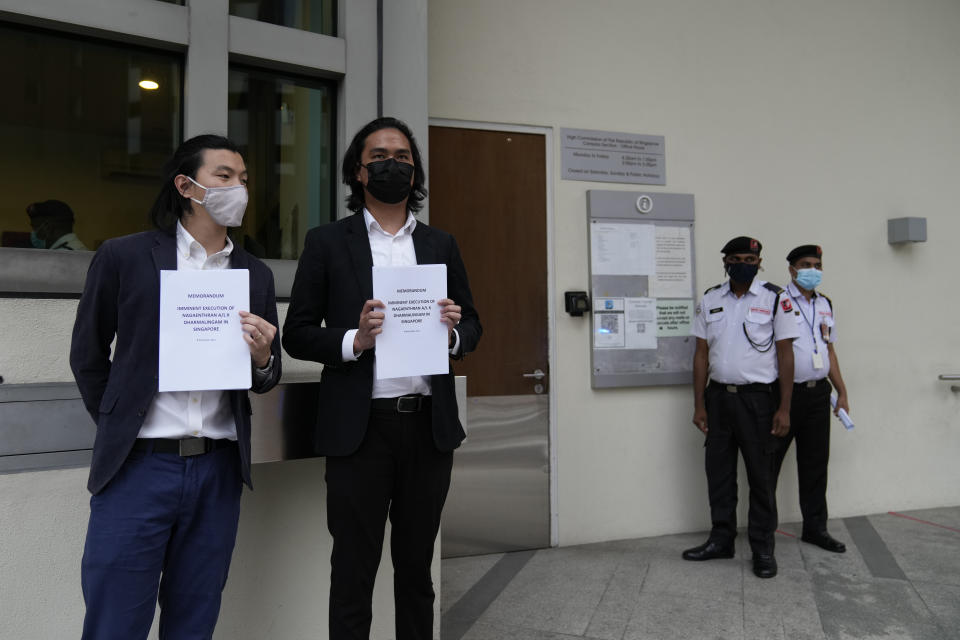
pixel 741 421
pixel 810 426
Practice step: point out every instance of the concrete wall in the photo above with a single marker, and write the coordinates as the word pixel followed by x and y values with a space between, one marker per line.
pixel 281 564
pixel 791 122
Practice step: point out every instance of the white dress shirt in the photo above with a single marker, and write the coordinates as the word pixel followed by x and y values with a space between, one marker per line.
pixel 192 414
pixel 815 324
pixel 69 241
pixel 392 251
pixel 722 318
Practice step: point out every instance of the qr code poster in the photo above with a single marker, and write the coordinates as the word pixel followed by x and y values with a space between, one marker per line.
pixel 608 330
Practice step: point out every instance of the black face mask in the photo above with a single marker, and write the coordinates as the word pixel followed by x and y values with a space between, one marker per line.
pixel 741 272
pixel 388 180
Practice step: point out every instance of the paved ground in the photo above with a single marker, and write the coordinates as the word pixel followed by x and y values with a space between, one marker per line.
pixel 900 578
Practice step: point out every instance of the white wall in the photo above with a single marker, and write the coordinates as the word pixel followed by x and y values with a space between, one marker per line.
pixel 793 122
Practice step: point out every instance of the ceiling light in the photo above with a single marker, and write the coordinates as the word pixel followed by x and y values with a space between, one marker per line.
pixel 149 85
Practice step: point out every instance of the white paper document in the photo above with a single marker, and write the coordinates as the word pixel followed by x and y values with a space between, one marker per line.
pixel 201 342
pixel 842 414
pixel 608 330
pixel 414 340
pixel 673 263
pixel 641 323
pixel 621 249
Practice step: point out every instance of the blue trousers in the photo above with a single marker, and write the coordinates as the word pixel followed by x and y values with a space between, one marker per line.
pixel 162 530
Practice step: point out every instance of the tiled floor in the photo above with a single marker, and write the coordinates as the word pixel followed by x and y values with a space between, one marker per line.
pixel 900 578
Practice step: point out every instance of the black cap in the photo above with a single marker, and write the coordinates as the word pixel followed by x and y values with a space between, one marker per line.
pixel 805 251
pixel 742 244
pixel 50 209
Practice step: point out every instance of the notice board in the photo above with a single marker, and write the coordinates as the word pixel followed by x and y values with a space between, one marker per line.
pixel 642 287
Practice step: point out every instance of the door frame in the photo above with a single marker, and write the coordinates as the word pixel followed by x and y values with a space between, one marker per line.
pixel 548 138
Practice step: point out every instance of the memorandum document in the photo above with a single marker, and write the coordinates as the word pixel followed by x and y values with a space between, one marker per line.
pixel 414 340
pixel 201 346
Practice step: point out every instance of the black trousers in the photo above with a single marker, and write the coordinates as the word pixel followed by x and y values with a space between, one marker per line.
pixel 810 427
pixel 397 471
pixel 741 421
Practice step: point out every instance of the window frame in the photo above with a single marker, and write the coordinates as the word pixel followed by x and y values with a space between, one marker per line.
pixel 211 40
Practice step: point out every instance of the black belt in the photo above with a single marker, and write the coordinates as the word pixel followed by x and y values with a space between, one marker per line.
pixel 403 404
pixel 184 448
pixel 738 388
pixel 810 384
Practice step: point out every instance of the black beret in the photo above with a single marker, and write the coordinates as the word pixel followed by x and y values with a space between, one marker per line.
pixel 805 251
pixel 50 209
pixel 742 244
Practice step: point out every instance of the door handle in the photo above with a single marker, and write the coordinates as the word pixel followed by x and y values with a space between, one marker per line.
pixel 536 375
pixel 951 376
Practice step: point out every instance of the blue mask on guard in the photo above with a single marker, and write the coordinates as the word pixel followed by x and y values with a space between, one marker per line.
pixel 809 278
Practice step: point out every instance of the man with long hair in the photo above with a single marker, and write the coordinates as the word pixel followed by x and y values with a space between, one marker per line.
pixel 389 443
pixel 167 468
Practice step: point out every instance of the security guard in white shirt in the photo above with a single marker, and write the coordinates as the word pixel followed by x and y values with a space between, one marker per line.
pixel 744 329
pixel 815 361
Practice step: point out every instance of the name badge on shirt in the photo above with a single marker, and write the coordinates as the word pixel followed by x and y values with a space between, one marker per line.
pixel 818 360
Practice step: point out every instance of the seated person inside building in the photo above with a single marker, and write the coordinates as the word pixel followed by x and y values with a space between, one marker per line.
pixel 52 222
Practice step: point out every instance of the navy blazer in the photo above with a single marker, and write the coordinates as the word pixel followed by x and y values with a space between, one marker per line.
pixel 334 279
pixel 121 298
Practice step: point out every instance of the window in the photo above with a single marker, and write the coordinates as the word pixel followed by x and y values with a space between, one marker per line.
pixel 318 16
pixel 284 126
pixel 87 123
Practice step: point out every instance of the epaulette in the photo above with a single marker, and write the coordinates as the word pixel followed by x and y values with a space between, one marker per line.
pixel 712 288
pixel 769 286
pixel 829 301
pixel 772 287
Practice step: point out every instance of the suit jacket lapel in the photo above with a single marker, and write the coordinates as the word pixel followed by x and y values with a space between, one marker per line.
pixel 358 243
pixel 164 252
pixel 423 244
pixel 238 258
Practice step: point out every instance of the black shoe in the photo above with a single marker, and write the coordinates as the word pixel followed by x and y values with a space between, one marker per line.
pixel 764 565
pixel 825 541
pixel 709 551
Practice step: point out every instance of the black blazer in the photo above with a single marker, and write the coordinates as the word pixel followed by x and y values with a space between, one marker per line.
pixel 334 279
pixel 121 298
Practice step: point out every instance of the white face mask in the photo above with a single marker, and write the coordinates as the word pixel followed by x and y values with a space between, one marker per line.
pixel 224 204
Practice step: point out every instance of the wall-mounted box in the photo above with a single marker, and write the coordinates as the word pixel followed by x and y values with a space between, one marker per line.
pixel 900 230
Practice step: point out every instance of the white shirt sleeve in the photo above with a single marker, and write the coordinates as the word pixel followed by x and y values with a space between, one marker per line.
pixel 785 326
pixel 346 347
pixel 456 343
pixel 700 321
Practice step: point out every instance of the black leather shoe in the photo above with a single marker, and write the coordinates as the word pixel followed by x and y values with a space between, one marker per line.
pixel 825 541
pixel 709 551
pixel 764 565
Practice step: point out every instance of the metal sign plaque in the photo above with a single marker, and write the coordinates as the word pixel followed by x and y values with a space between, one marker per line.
pixel 611 156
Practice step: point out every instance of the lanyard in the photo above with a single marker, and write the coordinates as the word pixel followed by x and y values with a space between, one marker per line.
pixel 813 309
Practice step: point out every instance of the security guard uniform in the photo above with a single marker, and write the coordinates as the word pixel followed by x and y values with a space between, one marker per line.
pixel 741 398
pixel 810 409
